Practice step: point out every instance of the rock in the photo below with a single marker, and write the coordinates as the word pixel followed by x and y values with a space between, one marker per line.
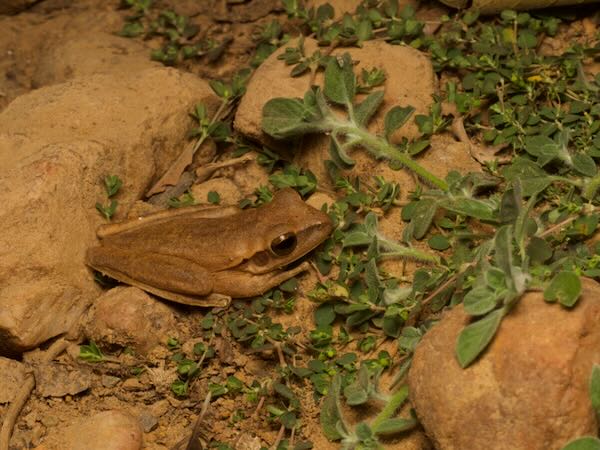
pixel 128 317
pixel 227 190
pixel 56 145
pixel 57 380
pixel 133 385
pixel 248 441
pixel 12 376
pixel 410 80
pixel 27 38
pixel 147 421
pixel 528 391
pixel 68 59
pixel 109 430
pixel 109 381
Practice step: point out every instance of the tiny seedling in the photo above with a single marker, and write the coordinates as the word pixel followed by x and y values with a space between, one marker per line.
pixel 112 185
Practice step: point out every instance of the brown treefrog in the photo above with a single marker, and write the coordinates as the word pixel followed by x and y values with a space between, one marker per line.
pixel 206 255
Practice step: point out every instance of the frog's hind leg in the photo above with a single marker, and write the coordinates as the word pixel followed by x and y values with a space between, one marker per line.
pixel 165 275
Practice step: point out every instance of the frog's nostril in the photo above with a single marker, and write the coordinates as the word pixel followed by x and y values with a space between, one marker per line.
pixel 261 259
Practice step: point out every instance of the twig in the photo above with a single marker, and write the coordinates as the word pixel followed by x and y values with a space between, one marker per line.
pixel 194 442
pixel 261 402
pixel 558 226
pixel 279 438
pixel 23 395
pixel 282 362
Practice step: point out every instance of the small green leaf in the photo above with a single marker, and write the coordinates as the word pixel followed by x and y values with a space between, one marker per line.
pixel 220 88
pixel 479 301
pixel 395 118
pixel 539 250
pixel 595 389
pixel 471 207
pixel 339 155
pixel 331 413
pixel 365 110
pixel 109 210
pixel 364 30
pixel 356 394
pixel 180 388
pixel 112 184
pixel 91 353
pixel 439 242
pixel 564 287
pixel 132 29
pixel 584 164
pixel 422 216
pixel 544 148
pixel 289 117
pixel 583 443
pixel 213 197
pixel 533 179
pixel 503 245
pixel 356 238
pixel 288 419
pixel 475 337
pixel 340 81
pixel 284 391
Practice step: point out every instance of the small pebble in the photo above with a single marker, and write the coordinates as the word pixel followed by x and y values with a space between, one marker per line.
pixel 110 381
pixel 147 421
pixel 132 384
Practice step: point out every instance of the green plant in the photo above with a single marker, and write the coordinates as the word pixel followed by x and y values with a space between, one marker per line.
pixel 112 184
pixel 176 31
pixel 91 353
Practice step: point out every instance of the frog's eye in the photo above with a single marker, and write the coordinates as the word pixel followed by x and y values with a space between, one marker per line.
pixel 284 244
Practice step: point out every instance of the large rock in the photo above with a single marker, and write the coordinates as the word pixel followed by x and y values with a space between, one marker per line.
pixel 12 377
pixel 90 53
pixel 128 317
pixel 31 43
pixel 528 391
pixel 56 144
pixel 108 430
pixel 410 80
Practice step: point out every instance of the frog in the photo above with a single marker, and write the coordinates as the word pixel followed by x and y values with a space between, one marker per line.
pixel 207 255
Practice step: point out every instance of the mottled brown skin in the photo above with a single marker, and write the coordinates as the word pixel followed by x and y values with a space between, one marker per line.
pixel 205 256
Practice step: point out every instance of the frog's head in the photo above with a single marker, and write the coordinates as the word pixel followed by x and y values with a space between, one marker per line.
pixel 290 230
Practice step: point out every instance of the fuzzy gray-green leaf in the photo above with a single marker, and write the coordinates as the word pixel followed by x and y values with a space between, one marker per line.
pixel 331 413
pixel 475 337
pixel 289 117
pixel 395 118
pixel 340 81
pixel 564 287
pixel 583 443
pixel 365 110
pixel 479 301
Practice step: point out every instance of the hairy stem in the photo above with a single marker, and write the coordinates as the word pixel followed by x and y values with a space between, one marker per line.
pixel 381 148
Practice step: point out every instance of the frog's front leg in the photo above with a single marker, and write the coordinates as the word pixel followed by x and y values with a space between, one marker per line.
pixel 165 273
pixel 243 284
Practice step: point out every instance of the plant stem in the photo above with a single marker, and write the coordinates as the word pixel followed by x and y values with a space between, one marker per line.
pixel 388 410
pixel 381 148
pixel 395 250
